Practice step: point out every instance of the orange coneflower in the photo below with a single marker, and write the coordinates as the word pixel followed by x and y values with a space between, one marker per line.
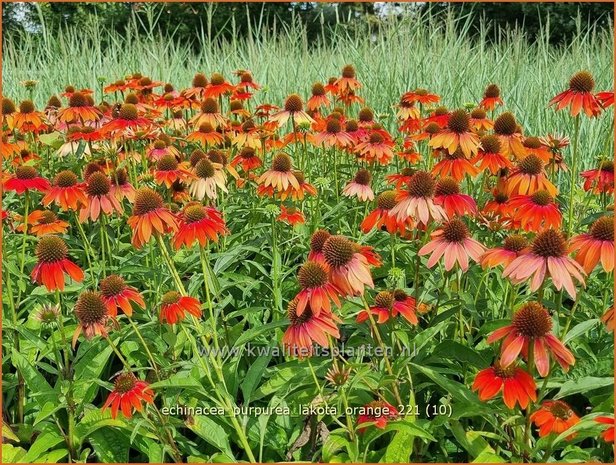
pixel 66 192
pixel 506 129
pixel 218 86
pixel 128 393
pixel 279 175
pixel 197 91
pixel 453 242
pixel 168 170
pixel 579 96
pixel 601 179
pixel 595 245
pixel 480 121
pixel 376 148
pixel 247 158
pixel 117 294
pixel 332 135
pixel 52 263
pixel 554 416
pixel 420 96
pixel 529 177
pixel 349 269
pixel 120 187
pixel 359 186
pixel 513 246
pixel 417 200
pixel 534 146
pixel 377 412
pixel 308 327
pixel 174 307
pixel 99 197
pixel 305 188
pixel 447 194
pixel 198 223
pixel 516 384
pixel 8 110
pixel 294 110
pixel 498 206
pixel 81 109
pixel 117 86
pixel 206 135
pixel 127 117
pixel 209 177
pixel 149 217
pixel 210 113
pixel 455 165
pixel 407 110
pixel 608 434
pixel 291 215
pixel 12 148
pixel 401 178
pixel 457 134
pixel 606 99
pixel 42 222
pixel 26 119
pixel 26 178
pixel 536 212
pixel 491 97
pixel 318 99
pixel 317 241
pixel 531 324
pixel 347 81
pixel 546 257
pixel 409 152
pixel 316 290
pixel 380 217
pixel 490 156
pixel 382 308
pixel 92 316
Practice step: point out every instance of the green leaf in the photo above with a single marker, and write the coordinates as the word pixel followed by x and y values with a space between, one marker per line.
pixel 457 390
pixel 43 444
pixel 583 385
pixel 7 433
pixel 254 375
pixel 12 454
pixel 212 433
pixel 253 333
pixel 455 350
pixel 110 445
pixel 52 139
pixel 579 329
pixel 94 420
pixel 34 380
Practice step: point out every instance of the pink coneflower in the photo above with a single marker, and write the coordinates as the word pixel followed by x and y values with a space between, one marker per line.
pixel 531 324
pixel 349 269
pixel 513 246
pixel 99 198
pixel 208 179
pixel 597 245
pixel 307 328
pixel 547 257
pixel 120 187
pixel 317 241
pixel 316 290
pixel 279 175
pixel 318 99
pixel 447 194
pixel 360 186
pixel 452 241
pixel 333 135
pixel 417 200
pixel 210 113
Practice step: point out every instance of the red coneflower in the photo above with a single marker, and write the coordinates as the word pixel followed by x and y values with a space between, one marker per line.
pixel 506 129
pixel 529 177
pixel 52 263
pixel 208 177
pixel 490 157
pixel 457 134
pixel 26 178
pixel 595 245
pixel 513 246
pixel 531 324
pixel 360 186
pixel 174 307
pixel 579 96
pixel 66 192
pixel 291 215
pixel 279 176
pixel 547 257
pixel 198 223
pixel 42 222
pixel 440 117
pixel 149 217
pixel 294 110
pixel 608 434
pixel 307 328
pixel 491 98
pixel 601 179
pixel 316 290
pixel 318 99
pixel 420 96
pixel 517 385
pixel 81 109
pixel 401 178
pixel 92 316
pixel 554 416
pixel 332 135
pixel 349 269
pixel 317 241
pixel 498 206
pixel 305 188
pixel 347 81
pixel 127 117
pixel 447 194
pixel 377 412
pixel 417 200
pixel 128 393
pixel 168 170
pixel 606 99
pixel 376 148
pixel 380 217
pixel 455 165
pixel 98 188
pixel 26 119
pixel 536 212
pixel 405 305
pixel 117 86
pixel 117 294
pixel 218 86
pixel 453 242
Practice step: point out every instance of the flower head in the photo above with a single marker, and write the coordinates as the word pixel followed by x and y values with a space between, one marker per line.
pixel 579 96
pixel 554 416
pixel 128 393
pixel 516 384
pixel 53 262
pixel 174 307
pixel 92 316
pixel 117 294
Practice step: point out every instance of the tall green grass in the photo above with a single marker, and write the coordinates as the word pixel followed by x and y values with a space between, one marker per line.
pixel 405 53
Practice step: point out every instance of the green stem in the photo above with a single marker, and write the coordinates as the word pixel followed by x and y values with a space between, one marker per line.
pixel 572 184
pixel 145 346
pixel 208 296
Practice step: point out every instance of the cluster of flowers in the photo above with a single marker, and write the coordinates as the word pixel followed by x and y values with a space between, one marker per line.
pixel 177 145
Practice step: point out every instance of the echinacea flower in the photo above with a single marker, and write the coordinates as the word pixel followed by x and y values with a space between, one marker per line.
pixel 294 110
pixel 247 158
pixel 291 216
pixel 316 290
pixel 80 109
pixel 491 97
pixel 597 245
pixel 447 194
pixel 376 148
pixel 401 178
pixel 92 316
pixel 453 242
pixel 534 146
pixel 490 157
pixel 547 257
pixel 579 96
pixel 120 187
pixel 480 120
pixel 531 325
pixel 26 119
pixel 601 179
pixel 516 384
pixel 174 307
pixel 457 134
pixel 197 90
pixel 305 188
pixel 455 165
pixel 208 178
pixel 53 262
pixel 554 416
pixel 332 135
pixel 506 129
pixel 26 178
pixel 529 177
pixel 417 200
pixel 389 304
pixel 536 212
pixel 360 186
pixel 377 412
pixel 128 394
pixel 608 319
pixel 150 217
pixel 42 222
pixel 498 206
pixel 307 328
pixel 206 135
pixel 380 217
pixel 218 86
pixel 198 223
pixel 127 117
pixel 317 241
pixel 318 99
pixel 420 95
pixel 279 175
pixel 407 110
pixel 168 170
pixel 347 81
pixel 117 294
pixel 607 434
pixel 513 246
pixel 349 269
pixel 606 98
